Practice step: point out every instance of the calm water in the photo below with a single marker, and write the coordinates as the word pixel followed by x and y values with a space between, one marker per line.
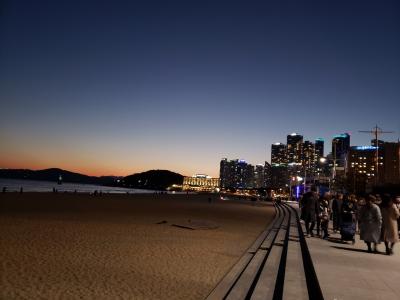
pixel 47 186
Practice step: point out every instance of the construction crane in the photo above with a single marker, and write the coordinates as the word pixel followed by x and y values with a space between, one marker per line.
pixel 376 132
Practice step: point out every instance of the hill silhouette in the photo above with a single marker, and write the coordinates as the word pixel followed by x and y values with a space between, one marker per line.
pixel 53 174
pixel 153 179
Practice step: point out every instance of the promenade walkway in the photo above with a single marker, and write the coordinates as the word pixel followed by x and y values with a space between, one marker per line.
pixel 347 271
pixel 283 264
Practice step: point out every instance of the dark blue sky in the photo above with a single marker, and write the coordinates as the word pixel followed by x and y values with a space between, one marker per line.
pixel 115 87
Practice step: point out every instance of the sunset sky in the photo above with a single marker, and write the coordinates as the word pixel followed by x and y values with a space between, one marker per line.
pixel 118 87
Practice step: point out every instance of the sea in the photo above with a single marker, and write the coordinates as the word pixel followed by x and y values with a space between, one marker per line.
pixel 15 185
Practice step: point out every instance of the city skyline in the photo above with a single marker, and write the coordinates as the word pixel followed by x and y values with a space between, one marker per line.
pixel 215 175
pixel 119 88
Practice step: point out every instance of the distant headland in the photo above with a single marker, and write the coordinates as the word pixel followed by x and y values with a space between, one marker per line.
pixel 152 179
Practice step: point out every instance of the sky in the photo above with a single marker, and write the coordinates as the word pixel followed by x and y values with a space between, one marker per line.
pixel 119 87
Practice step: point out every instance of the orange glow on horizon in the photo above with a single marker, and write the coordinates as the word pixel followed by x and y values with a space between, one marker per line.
pixel 100 161
pixel 90 170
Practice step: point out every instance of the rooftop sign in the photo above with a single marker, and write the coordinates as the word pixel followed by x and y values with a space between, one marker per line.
pixel 364 148
pixel 343 135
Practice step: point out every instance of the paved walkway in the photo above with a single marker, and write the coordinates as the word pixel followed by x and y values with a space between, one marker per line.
pixel 347 271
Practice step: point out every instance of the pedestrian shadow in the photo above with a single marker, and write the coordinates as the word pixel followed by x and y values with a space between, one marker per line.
pixel 357 250
pixel 336 240
pixel 350 249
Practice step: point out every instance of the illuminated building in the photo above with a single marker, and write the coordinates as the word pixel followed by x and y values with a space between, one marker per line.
pixel 267 175
pixel 259 176
pixel 244 175
pixel 391 163
pixel 319 148
pixel 227 173
pixel 279 176
pixel 293 148
pixel 278 170
pixel 308 157
pixel 340 148
pixel 200 183
pixel 278 153
pixel 319 158
pixel 361 167
pixel 237 174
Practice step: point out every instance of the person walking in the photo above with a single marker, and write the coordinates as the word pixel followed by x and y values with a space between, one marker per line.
pixel 310 210
pixel 360 203
pixel 336 211
pixel 396 201
pixel 323 216
pixel 390 214
pixel 348 219
pixel 370 222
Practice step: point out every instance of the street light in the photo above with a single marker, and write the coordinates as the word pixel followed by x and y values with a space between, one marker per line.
pixel 334 160
pixel 322 162
pixel 295 179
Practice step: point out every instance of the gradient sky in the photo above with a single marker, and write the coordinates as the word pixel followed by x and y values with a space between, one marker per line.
pixel 118 87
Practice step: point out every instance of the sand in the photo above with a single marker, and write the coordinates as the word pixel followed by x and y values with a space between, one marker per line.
pixel 66 246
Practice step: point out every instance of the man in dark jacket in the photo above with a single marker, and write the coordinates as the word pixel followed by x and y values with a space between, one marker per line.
pixel 310 210
pixel 336 211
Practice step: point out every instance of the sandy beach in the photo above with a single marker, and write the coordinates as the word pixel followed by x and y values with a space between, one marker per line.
pixel 66 246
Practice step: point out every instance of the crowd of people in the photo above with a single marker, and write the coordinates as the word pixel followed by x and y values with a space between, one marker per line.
pixel 374 217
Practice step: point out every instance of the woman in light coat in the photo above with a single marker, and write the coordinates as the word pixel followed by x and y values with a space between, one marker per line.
pixel 370 222
pixel 390 232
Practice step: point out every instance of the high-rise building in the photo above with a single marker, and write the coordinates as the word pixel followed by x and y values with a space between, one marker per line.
pixel 267 175
pixel 391 163
pixel 308 157
pixel 340 148
pixel 319 159
pixel 293 148
pixel 361 168
pixel 236 174
pixel 244 175
pixel 225 173
pixel 278 154
pixel 259 176
pixel 279 177
pixel 319 148
pixel 278 168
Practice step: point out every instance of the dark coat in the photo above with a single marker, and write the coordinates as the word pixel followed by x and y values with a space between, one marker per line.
pixel 310 206
pixel 348 211
pixel 336 212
